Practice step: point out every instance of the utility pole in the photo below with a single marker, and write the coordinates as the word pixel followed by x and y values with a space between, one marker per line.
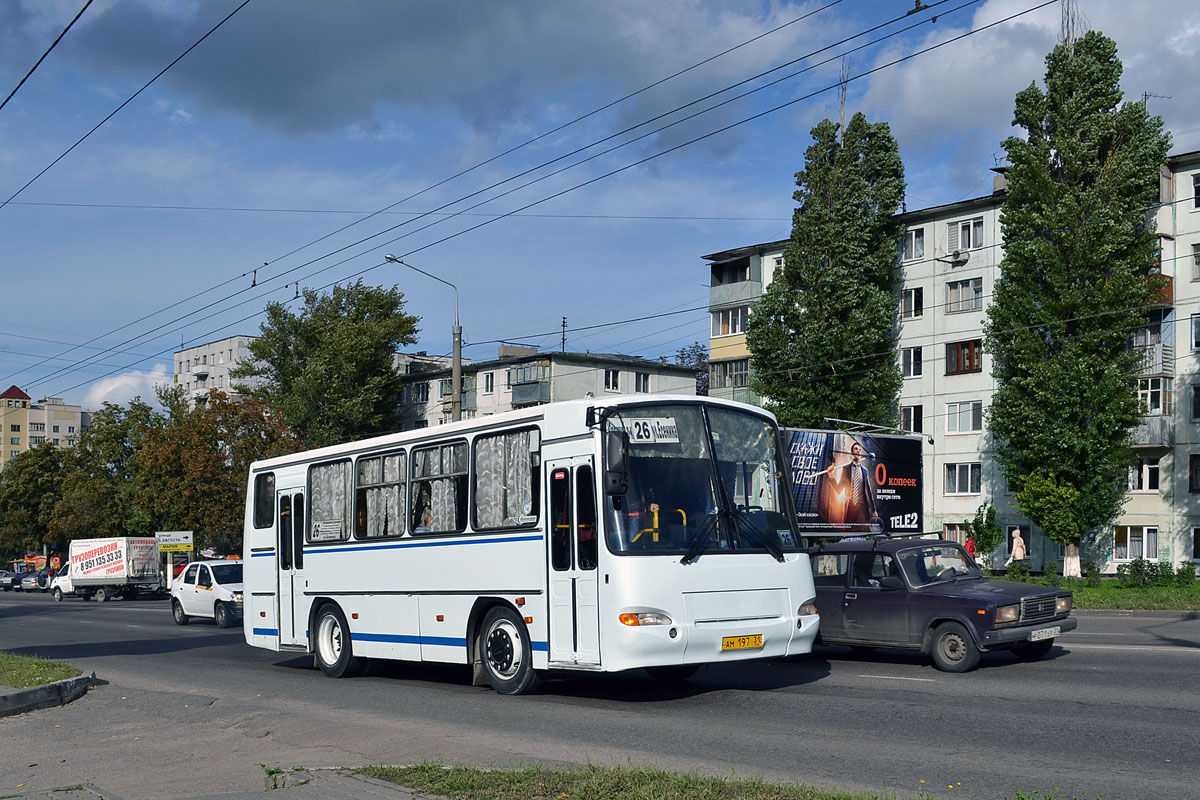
pixel 564 336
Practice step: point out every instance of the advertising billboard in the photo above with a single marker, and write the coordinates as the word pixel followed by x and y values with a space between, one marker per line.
pixel 847 483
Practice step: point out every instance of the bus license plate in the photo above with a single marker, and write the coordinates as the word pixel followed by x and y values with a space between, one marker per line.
pixel 1045 633
pixel 750 642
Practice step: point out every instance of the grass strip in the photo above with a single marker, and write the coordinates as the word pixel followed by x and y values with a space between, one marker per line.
pixel 1150 598
pixel 611 783
pixel 23 672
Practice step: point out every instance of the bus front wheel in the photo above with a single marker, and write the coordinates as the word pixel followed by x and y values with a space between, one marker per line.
pixel 506 653
pixel 335 655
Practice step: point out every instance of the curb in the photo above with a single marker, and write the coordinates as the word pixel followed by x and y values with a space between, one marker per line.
pixel 48 695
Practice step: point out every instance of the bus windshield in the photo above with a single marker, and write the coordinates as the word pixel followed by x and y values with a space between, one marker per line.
pixel 702 479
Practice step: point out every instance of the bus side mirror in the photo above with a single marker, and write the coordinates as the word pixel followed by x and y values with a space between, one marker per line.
pixel 616 462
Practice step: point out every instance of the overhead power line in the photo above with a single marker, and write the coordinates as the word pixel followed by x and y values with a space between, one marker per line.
pixel 53 45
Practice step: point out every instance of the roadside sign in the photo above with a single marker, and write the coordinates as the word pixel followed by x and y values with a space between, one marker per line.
pixel 174 541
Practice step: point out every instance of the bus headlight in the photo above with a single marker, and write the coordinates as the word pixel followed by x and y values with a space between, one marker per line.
pixel 807 609
pixel 644 618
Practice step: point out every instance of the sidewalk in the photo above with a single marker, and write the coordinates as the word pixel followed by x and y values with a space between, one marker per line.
pixel 317 784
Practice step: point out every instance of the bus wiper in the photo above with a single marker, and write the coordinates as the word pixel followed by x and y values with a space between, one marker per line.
pixel 700 540
pixel 744 526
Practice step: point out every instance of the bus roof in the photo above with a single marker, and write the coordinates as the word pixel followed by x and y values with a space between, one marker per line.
pixel 557 410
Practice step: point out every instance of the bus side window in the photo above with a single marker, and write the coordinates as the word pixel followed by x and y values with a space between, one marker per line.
pixel 264 499
pixel 560 519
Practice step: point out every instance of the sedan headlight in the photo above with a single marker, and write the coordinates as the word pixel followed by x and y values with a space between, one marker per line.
pixel 645 618
pixel 1006 614
pixel 1063 604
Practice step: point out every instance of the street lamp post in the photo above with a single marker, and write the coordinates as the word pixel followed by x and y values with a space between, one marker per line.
pixel 456 363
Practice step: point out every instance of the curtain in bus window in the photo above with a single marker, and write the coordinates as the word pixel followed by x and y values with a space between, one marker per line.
pixel 330 501
pixel 503 480
pixel 444 501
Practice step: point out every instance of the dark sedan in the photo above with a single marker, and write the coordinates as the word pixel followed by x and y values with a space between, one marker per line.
pixel 929 595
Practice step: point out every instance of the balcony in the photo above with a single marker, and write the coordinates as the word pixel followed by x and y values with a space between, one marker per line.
pixel 529 394
pixel 470 401
pixel 1164 290
pixel 1154 430
pixel 742 394
pixel 200 371
pixel 733 293
pixel 1156 359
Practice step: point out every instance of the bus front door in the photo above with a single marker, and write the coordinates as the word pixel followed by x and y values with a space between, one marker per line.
pixel 290 549
pixel 573 551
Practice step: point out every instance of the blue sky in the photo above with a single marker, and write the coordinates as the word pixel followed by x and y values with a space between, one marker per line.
pixel 295 119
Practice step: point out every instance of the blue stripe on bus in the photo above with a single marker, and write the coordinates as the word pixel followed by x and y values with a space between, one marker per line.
pixel 262 555
pixel 322 549
pixel 266 631
pixel 439 641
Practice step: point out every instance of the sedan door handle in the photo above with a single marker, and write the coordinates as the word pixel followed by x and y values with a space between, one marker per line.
pixel 851 596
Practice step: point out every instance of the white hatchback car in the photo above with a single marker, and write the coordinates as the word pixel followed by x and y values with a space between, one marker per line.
pixel 208 589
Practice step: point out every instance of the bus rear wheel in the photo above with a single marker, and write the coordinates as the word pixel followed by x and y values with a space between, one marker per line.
pixel 506 653
pixel 335 655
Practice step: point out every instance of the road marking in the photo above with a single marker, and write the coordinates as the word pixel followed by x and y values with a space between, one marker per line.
pixel 898 678
pixel 133 626
pixel 84 621
pixel 1195 650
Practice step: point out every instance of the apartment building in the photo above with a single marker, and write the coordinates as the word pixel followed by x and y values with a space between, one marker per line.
pixel 522 377
pixel 948 265
pixel 207 366
pixel 26 424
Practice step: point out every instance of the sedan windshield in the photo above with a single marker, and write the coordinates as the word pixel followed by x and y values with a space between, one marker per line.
pixel 700 480
pixel 227 573
pixel 936 564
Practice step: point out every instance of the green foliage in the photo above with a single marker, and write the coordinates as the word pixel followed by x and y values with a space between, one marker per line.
pixel 1091 573
pixel 24 672
pixel 1051 576
pixel 985 532
pixel 328 369
pixel 1017 571
pixel 695 356
pixel 30 486
pixel 1186 574
pixel 1077 240
pixel 822 339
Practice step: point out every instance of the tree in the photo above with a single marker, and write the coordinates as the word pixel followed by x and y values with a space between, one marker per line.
pixel 695 356
pixel 30 486
pixel 823 338
pixel 1075 283
pixel 193 471
pixel 98 494
pixel 984 531
pixel 328 369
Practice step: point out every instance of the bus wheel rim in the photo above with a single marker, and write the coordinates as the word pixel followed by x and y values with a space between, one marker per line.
pixel 504 651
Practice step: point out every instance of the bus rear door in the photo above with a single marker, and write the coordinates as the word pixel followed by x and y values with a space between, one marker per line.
pixel 573 551
pixel 290 549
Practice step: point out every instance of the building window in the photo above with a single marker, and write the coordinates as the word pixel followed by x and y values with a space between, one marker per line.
pixel 965 235
pixel 914 244
pixel 641 382
pixel 36 439
pixel 729 374
pixel 910 362
pixel 910 418
pixel 955 532
pixel 1196 190
pixel 15 440
pixel 729 321
pixel 964 295
pixel 14 428
pixel 1155 395
pixel 1196 401
pixel 13 453
pixel 37 426
pixel 1195 544
pixel 964 357
pixel 964 478
pixel 1194 473
pixel 70 429
pixel 489 382
pixel 1131 542
pixel 964 417
pixel 1143 476
pixel 1196 262
pixel 612 380
pixel 912 303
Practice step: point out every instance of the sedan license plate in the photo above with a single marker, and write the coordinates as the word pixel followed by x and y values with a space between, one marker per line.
pixel 1045 633
pixel 750 642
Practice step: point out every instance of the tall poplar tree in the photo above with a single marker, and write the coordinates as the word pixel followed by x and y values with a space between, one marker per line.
pixel 823 338
pixel 1075 283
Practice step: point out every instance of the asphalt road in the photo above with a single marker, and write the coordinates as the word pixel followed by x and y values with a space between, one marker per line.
pixel 1110 712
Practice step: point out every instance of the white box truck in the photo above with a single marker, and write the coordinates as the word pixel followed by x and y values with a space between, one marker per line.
pixel 120 566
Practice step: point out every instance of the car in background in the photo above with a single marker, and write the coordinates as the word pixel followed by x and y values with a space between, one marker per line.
pixel 29 582
pixel 211 589
pixel 9 580
pixel 929 595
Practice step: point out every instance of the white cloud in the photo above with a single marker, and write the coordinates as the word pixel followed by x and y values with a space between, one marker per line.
pixel 120 389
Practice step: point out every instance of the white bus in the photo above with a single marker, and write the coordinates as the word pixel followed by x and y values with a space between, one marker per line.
pixel 591 535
